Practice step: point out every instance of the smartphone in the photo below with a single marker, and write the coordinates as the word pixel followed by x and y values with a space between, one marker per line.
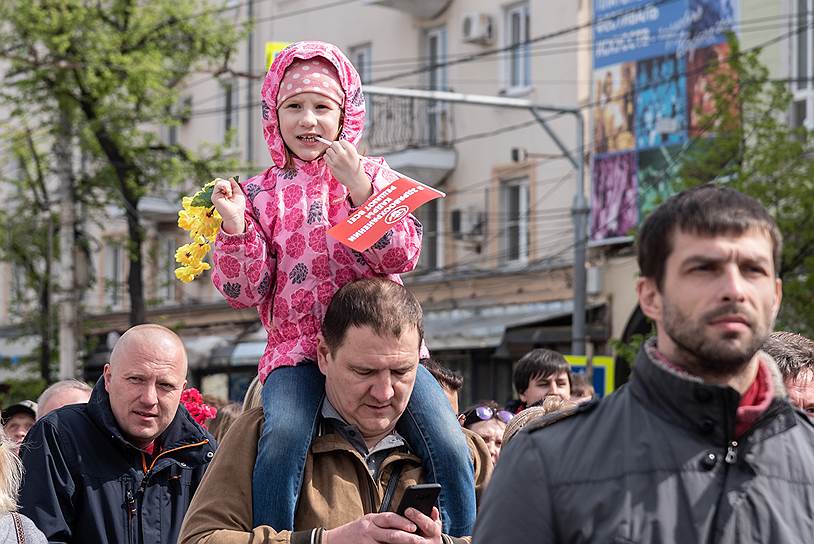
pixel 422 497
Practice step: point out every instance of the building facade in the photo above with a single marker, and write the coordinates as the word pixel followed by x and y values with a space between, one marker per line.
pixel 496 271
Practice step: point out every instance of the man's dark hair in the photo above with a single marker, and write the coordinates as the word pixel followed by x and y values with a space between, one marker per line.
pixel 793 353
pixel 448 378
pixel 539 363
pixel 707 210
pixel 381 304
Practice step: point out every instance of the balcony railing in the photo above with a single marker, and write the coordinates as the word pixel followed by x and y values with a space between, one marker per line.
pixel 399 123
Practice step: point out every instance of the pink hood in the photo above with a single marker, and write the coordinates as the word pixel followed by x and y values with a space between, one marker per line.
pixel 348 77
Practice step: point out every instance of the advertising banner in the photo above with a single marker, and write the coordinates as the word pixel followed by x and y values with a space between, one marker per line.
pixel 650 100
pixel 630 30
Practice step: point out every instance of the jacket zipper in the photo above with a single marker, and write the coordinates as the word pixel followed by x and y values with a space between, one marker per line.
pixel 731 458
pixel 157 457
pixel 132 511
pixel 731 453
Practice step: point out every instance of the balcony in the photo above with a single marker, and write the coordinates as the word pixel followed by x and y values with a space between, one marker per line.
pixel 414 135
pixel 422 9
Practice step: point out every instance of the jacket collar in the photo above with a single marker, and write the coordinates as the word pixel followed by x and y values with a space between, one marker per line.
pixel 704 408
pixel 182 431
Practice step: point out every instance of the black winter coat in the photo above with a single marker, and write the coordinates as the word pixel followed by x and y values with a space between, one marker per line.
pixel 84 483
pixel 656 462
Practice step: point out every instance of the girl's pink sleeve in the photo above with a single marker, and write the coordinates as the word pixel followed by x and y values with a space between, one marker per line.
pixel 398 250
pixel 243 269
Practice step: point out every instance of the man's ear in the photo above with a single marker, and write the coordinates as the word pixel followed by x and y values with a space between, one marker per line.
pixel 323 352
pixel 106 374
pixel 778 291
pixel 649 298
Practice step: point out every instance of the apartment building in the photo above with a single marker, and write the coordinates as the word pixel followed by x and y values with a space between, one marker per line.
pixel 496 273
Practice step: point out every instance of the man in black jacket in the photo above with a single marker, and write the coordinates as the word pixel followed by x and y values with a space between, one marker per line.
pixel 702 445
pixel 123 467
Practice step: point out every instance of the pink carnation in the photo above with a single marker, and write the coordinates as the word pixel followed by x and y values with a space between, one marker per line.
pixel 193 402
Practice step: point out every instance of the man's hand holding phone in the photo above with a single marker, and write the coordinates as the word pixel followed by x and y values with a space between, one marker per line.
pixel 415 521
pixel 388 528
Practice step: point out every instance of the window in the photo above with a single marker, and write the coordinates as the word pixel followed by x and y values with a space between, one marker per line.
pixel 172 135
pixel 166 271
pixel 114 267
pixel 515 214
pixel 18 288
pixel 360 56
pixel 230 108
pixel 803 88
pixel 436 54
pixel 429 214
pixel 518 68
pixel 180 112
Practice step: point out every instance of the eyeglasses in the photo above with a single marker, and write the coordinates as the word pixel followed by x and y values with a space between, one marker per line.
pixel 486 413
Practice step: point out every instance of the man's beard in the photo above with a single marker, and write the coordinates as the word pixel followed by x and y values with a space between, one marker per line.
pixel 713 356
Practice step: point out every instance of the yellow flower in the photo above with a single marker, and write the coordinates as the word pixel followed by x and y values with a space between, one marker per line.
pixel 184 274
pixel 188 273
pixel 185 220
pixel 184 253
pixel 202 224
pixel 199 251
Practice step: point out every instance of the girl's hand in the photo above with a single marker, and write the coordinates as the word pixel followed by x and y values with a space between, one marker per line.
pixel 229 200
pixel 346 166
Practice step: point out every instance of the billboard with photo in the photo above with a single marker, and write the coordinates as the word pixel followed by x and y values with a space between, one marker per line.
pixel 650 59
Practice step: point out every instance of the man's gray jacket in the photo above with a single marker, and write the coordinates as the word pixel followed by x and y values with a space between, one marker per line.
pixel 657 462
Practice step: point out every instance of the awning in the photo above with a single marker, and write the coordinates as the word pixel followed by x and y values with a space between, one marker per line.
pixel 483 327
pixel 243 352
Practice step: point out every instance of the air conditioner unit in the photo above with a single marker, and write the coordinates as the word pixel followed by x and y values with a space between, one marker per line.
pixel 467 224
pixel 478 28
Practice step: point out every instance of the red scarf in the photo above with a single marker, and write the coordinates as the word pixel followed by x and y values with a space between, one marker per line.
pixel 754 401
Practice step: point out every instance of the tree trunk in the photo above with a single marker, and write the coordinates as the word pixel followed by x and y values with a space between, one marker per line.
pixel 68 303
pixel 124 169
pixel 135 283
pixel 45 307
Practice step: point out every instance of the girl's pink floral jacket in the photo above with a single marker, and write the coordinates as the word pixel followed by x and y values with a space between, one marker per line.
pixel 284 263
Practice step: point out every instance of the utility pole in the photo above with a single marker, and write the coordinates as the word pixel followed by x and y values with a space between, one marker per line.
pixel 67 274
pixel 579 210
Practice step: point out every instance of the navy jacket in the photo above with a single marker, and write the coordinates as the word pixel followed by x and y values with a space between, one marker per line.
pixel 85 483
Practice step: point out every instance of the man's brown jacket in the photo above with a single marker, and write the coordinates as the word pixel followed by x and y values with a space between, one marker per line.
pixel 337 487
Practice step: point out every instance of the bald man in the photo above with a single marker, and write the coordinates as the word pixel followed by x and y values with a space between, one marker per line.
pixel 62 393
pixel 124 466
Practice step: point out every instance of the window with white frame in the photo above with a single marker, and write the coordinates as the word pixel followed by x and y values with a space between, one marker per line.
pixel 518 61
pixel 802 113
pixel 514 219
pixel 431 256
pixel 167 245
pixel 360 56
pixel 114 274
pixel 18 284
pixel 435 49
pixel 230 107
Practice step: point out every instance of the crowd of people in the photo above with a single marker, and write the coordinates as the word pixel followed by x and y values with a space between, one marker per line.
pixel 710 440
